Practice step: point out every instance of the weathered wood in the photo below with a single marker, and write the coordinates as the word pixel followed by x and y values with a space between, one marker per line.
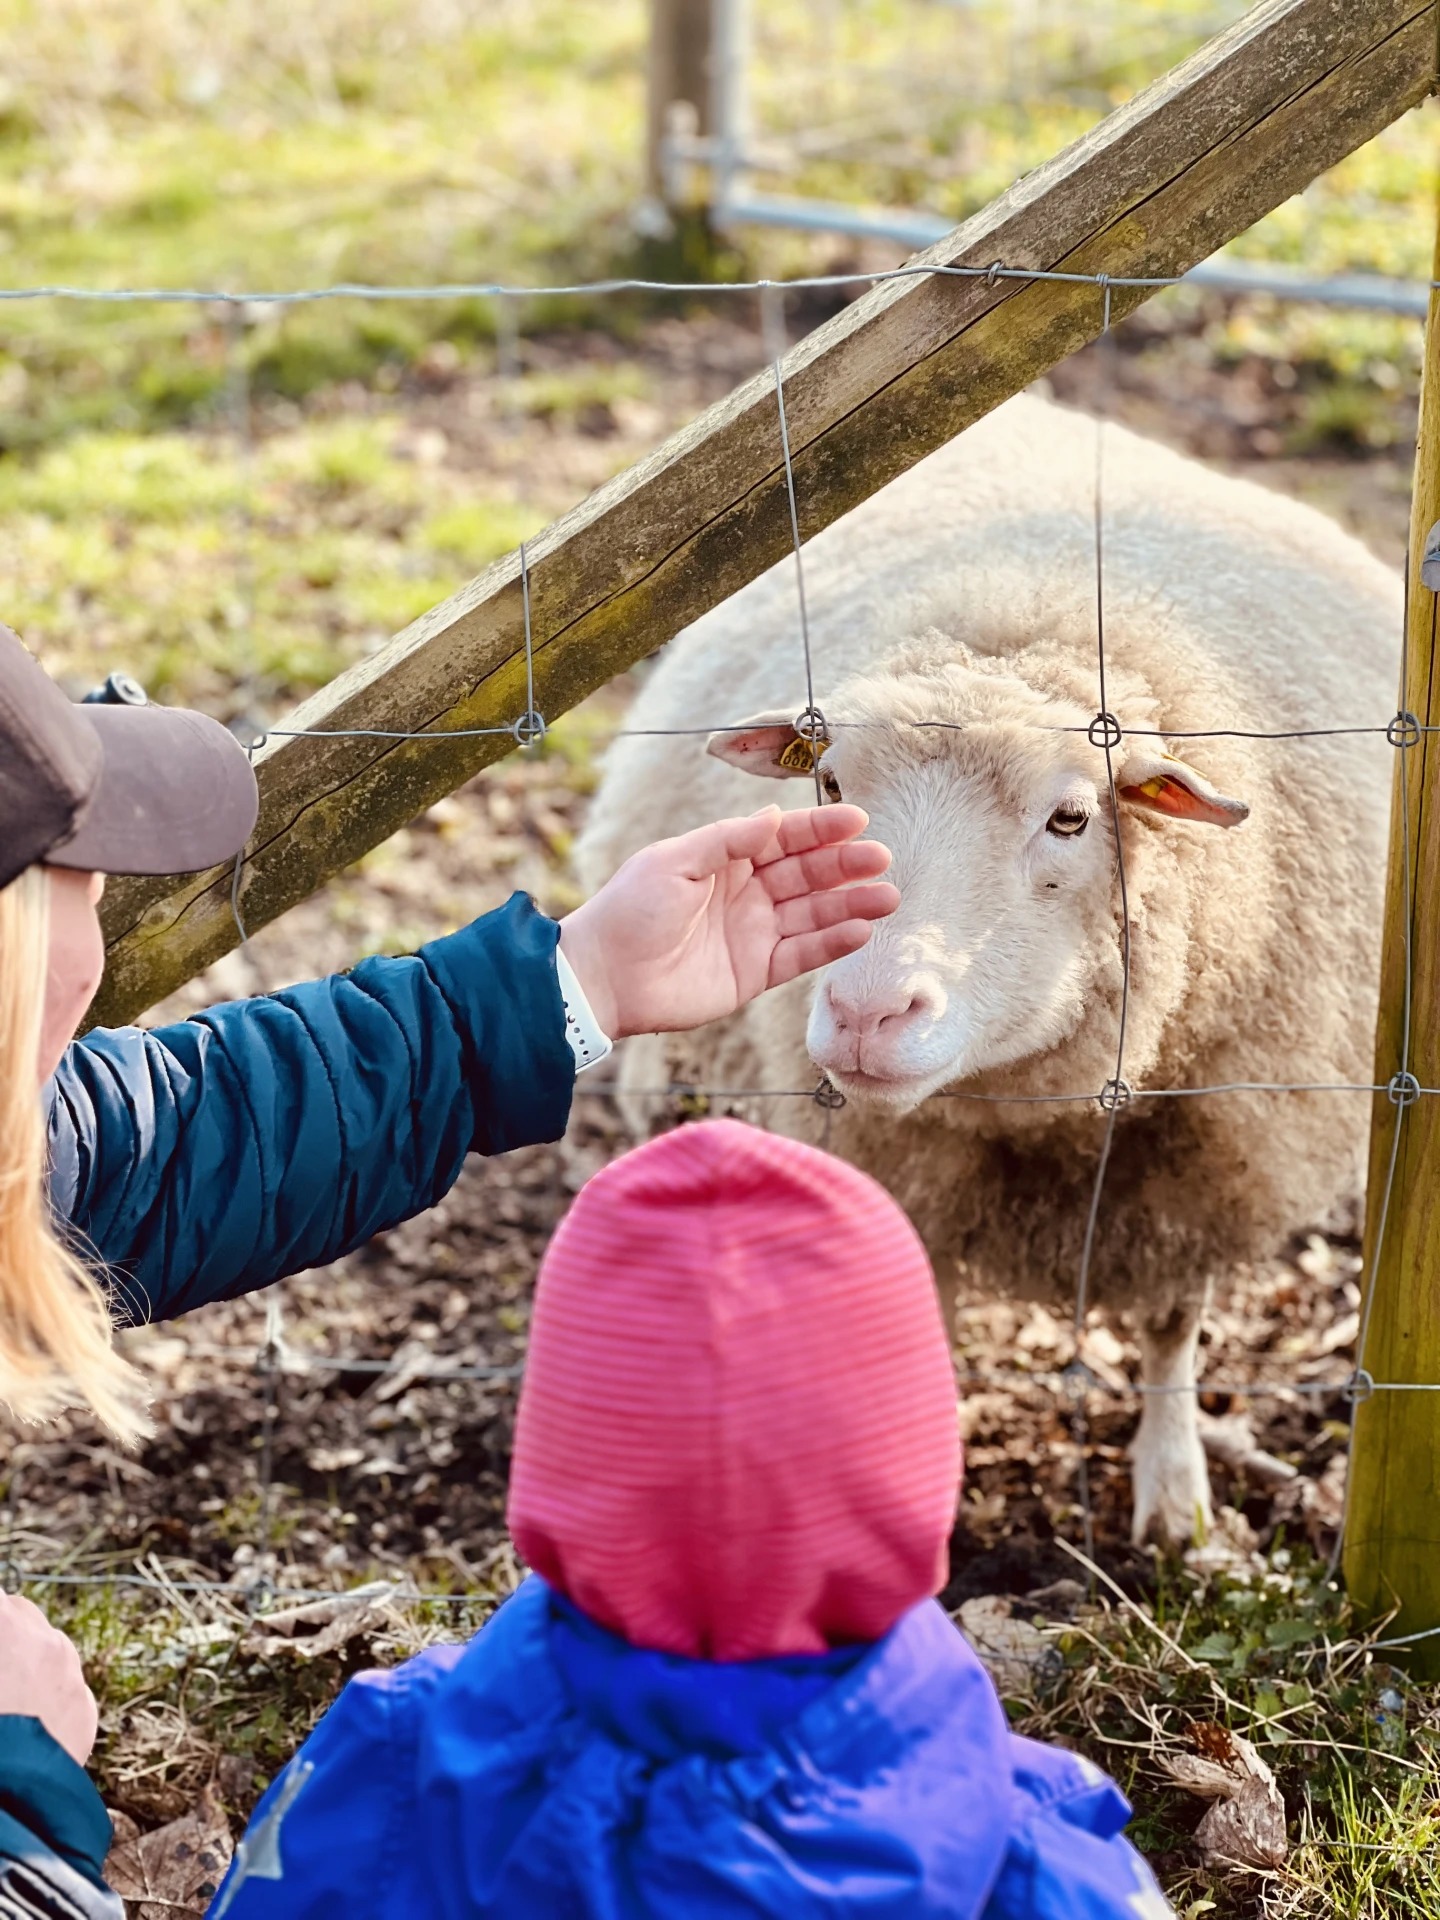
pixel 1392 1535
pixel 1153 189
pixel 681 40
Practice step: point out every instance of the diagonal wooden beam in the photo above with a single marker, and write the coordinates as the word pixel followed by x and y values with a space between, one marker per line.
pixel 1156 187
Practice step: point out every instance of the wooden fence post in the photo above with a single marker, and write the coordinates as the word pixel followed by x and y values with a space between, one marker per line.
pixel 1392 1545
pixel 680 47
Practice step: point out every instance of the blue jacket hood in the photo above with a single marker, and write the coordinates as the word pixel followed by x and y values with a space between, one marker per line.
pixel 551 1770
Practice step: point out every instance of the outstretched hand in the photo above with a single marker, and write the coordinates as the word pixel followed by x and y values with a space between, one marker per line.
pixel 690 929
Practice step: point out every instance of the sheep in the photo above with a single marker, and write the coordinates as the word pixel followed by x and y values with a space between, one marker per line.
pixel 953 634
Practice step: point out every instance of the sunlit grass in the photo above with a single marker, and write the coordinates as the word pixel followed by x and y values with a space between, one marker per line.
pixel 230 582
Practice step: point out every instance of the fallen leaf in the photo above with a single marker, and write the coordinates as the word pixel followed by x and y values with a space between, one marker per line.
pixel 1209 1779
pixel 1015 1652
pixel 175 1870
pixel 1248 1830
pixel 338 1618
pixel 1232 1547
pixel 1245 1825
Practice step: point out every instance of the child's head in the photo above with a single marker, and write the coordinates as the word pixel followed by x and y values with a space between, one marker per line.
pixel 738 1434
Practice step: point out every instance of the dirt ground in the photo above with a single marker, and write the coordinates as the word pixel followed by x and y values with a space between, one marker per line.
pixel 311 1477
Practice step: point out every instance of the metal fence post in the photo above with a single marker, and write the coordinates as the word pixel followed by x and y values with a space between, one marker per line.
pixel 1392 1545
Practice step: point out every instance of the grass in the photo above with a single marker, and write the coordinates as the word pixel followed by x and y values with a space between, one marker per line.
pixel 216 579
pixel 269 146
pixel 188 1696
pixel 1270 1653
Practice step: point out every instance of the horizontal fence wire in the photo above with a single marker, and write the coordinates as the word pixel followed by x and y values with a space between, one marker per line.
pixel 1300 294
pixel 276 1360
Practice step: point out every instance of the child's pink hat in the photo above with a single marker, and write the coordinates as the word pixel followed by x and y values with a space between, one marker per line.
pixel 737 1435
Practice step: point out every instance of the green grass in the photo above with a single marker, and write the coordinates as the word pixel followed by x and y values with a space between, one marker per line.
pixel 189 146
pixel 220 581
pixel 1275 1656
pixel 268 146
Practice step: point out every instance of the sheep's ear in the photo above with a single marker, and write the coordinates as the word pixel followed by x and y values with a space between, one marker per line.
pixel 769 746
pixel 1159 783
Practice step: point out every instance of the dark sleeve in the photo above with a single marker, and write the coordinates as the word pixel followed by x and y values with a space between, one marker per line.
pixel 54 1831
pixel 209 1158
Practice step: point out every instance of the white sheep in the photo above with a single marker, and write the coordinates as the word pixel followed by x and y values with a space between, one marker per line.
pixel 965 594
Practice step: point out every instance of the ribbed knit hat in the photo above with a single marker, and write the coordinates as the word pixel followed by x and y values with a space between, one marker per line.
pixel 737 1435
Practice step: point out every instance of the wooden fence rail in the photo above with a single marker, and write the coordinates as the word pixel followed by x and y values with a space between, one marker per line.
pixel 1157 186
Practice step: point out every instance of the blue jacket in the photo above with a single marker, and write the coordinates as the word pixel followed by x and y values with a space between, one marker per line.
pixel 552 1772
pixel 213 1157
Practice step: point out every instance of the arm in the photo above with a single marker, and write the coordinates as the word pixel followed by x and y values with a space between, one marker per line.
pixel 214 1156
pixel 1068 1858
pixel 218 1155
pixel 54 1830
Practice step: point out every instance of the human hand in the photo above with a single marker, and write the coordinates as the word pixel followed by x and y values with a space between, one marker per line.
pixel 690 929
pixel 40 1676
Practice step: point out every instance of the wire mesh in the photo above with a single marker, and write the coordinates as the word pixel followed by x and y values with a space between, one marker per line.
pixel 275 1359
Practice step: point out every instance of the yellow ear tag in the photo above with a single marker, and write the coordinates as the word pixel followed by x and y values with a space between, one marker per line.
pixel 1155 787
pixel 799 756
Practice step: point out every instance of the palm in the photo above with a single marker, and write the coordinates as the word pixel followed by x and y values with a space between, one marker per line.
pixel 692 928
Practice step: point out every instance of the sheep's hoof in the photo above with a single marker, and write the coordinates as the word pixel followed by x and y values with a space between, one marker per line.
pixel 1172 1500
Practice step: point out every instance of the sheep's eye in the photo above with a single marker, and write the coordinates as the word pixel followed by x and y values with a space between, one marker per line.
pixel 1068 821
pixel 829 784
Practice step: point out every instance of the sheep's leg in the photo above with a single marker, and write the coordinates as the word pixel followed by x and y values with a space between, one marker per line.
pixel 1172 1483
pixel 947 1286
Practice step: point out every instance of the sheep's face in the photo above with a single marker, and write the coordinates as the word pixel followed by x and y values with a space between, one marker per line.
pixel 1000 823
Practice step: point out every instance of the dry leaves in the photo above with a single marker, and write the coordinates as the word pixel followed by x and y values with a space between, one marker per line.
pixel 319 1627
pixel 1245 1824
pixel 177 1869
pixel 1016 1653
pixel 156 1762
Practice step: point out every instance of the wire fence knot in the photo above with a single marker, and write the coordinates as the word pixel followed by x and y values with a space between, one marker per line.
pixel 828 1096
pixel 1078 1378
pixel 993 272
pixel 259 1594
pixel 1104 732
pixel 11 1577
pixel 1404 1090
pixel 529 729
pixel 1115 1095
pixel 1360 1386
pixel 1403 730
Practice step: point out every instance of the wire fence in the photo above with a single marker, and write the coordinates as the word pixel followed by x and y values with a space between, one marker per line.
pixel 275 1360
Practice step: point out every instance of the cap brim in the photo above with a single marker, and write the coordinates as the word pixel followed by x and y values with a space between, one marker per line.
pixel 176 794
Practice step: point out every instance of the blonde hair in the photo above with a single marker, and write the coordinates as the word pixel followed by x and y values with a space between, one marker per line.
pixel 56 1337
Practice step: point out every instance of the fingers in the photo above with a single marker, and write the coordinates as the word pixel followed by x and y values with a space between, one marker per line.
pixel 810 827
pixel 806 951
pixel 816 912
pixel 705 850
pixel 767 839
pixel 822 867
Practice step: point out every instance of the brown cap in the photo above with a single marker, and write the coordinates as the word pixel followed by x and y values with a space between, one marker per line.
pixel 115 789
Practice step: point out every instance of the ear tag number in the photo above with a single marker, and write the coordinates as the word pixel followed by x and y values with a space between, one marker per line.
pixel 799 756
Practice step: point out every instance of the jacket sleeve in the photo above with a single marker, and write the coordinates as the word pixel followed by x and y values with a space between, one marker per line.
pixel 54 1831
pixel 209 1158
pixel 1068 1858
pixel 336 1826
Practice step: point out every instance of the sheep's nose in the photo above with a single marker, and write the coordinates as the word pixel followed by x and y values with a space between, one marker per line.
pixel 883 1013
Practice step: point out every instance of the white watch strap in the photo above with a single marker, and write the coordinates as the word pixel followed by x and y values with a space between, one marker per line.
pixel 588 1040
